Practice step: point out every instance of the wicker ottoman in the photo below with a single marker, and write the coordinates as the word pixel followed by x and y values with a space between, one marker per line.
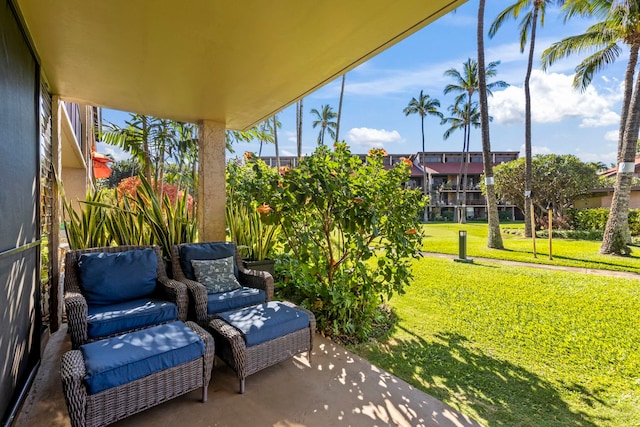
pixel 253 338
pixel 93 401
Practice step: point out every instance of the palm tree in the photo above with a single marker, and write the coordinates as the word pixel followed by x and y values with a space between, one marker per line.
pixel 619 25
pixel 462 117
pixel 466 84
pixel 324 119
pixel 494 238
pixel 344 77
pixel 528 24
pixel 423 106
pixel 274 129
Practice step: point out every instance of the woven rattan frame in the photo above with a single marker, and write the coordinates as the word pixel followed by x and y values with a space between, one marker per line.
pixel 198 292
pixel 116 403
pixel 76 304
pixel 232 349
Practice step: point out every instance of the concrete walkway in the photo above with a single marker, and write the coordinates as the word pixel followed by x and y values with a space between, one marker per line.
pixel 609 273
pixel 337 388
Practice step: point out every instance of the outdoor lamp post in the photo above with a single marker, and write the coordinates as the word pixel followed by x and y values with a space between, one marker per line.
pixel 462 247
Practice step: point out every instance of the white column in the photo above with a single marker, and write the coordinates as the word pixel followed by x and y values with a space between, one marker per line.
pixel 211 181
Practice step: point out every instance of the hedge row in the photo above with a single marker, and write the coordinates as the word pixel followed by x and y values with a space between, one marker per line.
pixel 596 219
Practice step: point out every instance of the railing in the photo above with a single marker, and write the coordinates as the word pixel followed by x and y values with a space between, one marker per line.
pixel 454 187
pixel 73 110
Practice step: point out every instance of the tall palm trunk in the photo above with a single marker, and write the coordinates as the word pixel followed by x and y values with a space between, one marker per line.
pixel 494 239
pixel 299 112
pixel 275 139
pixel 425 187
pixel 528 167
pixel 145 149
pixel 616 233
pixel 465 168
pixel 344 76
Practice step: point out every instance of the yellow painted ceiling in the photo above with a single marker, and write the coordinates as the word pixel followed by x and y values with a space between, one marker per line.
pixel 234 62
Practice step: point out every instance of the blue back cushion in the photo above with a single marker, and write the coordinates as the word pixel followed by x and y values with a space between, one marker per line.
pixel 264 322
pixel 109 278
pixel 115 361
pixel 224 301
pixel 203 251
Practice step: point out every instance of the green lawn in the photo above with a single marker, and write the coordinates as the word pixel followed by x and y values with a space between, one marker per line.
pixel 443 238
pixel 516 346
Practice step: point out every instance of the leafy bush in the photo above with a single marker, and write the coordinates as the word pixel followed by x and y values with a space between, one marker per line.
pixel 504 216
pixel 596 219
pixel 349 230
pixel 447 215
pixel 247 223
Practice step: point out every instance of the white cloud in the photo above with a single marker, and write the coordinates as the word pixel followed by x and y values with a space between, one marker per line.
pixel 612 135
pixel 607 119
pixel 553 100
pixel 372 137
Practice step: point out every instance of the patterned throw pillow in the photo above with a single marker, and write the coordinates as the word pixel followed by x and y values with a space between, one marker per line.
pixel 216 274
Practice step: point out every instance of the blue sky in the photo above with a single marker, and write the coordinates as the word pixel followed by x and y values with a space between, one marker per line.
pixel 565 121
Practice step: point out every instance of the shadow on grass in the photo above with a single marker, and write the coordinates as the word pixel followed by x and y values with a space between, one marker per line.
pixel 501 393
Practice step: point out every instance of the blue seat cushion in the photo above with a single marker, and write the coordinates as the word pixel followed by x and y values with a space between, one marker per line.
pixel 105 320
pixel 224 301
pixel 108 278
pixel 119 360
pixel 264 322
pixel 203 251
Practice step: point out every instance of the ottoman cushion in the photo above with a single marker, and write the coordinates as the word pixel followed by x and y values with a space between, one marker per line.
pixel 264 322
pixel 119 360
pixel 105 320
pixel 225 301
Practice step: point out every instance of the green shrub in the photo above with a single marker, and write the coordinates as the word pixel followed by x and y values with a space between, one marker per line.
pixel 349 229
pixel 505 216
pixel 596 219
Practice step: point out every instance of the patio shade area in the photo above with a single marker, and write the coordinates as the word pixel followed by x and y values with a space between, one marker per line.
pixel 229 62
pixel 337 388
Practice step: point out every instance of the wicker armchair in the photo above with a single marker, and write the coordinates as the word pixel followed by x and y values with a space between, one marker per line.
pixel 77 308
pixel 199 299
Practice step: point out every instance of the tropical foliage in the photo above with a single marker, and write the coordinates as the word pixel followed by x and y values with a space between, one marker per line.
pixel 348 228
pixel 558 179
pixel 249 182
pixel 135 217
pixel 618 25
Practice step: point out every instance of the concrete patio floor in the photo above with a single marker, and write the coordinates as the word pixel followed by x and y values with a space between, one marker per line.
pixel 337 388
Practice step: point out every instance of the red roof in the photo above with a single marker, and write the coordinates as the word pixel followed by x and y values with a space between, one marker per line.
pixel 614 170
pixel 453 168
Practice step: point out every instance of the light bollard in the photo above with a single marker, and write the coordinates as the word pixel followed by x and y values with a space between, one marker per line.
pixel 462 247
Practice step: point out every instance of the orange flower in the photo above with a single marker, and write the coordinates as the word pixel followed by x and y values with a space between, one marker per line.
pixel 283 169
pixel 377 152
pixel 411 231
pixel 407 161
pixel 264 208
pixel 358 200
pixel 248 155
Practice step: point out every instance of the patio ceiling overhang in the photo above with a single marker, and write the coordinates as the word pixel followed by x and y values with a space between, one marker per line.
pixel 231 62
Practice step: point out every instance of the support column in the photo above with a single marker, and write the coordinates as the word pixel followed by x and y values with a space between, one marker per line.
pixel 211 181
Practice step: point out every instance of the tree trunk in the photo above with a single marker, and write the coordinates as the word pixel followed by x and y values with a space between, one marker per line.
pixel 275 139
pixel 299 112
pixel 528 169
pixel 494 239
pixel 145 149
pixel 616 233
pixel 425 190
pixel 344 76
